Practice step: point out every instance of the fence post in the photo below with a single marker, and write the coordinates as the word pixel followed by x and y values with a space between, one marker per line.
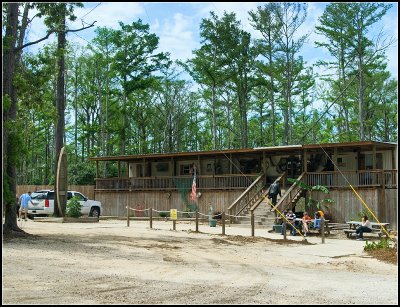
pixel 284 230
pixel 127 215
pixel 252 223
pixel 151 217
pixel 197 221
pixel 223 223
pixel 323 230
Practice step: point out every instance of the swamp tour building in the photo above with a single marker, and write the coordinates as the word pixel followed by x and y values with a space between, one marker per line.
pixel 236 181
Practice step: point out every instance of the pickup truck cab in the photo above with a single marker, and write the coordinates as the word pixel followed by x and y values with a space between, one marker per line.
pixel 43 204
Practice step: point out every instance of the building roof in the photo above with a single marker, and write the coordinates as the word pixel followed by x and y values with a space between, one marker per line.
pixel 277 150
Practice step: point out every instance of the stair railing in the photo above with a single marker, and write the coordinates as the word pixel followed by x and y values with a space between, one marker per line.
pixel 289 195
pixel 247 198
pixel 280 180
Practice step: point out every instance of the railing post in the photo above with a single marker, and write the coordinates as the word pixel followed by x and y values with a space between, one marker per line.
pixel 197 221
pixel 252 223
pixel 323 230
pixel 127 215
pixel 151 217
pixel 173 224
pixel 223 223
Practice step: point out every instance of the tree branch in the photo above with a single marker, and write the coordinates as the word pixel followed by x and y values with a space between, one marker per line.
pixel 51 32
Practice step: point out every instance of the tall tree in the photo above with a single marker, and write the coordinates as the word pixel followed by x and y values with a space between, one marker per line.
pixel 291 16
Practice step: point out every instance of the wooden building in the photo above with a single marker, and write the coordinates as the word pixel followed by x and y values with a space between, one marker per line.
pixel 236 180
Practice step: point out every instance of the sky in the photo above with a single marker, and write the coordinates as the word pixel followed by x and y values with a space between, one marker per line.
pixel 177 24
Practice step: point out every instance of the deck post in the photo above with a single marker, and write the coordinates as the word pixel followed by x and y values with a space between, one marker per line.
pixel 323 230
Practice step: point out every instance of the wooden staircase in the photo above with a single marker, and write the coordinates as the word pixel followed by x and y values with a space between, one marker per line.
pixel 254 202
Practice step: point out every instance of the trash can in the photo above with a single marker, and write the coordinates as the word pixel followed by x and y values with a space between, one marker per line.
pixel 213 222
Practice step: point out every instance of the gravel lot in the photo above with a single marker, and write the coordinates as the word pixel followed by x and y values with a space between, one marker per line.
pixel 110 263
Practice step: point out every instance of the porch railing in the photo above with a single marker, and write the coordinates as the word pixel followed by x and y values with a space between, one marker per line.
pixel 170 183
pixel 364 178
pixel 367 178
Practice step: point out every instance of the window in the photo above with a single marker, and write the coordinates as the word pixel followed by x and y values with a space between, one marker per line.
pixel 162 167
pixel 185 169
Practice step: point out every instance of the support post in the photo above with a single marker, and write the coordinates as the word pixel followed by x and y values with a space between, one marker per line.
pixel 127 215
pixel 173 224
pixel 223 223
pixel 197 221
pixel 252 223
pixel 323 230
pixel 284 230
pixel 151 218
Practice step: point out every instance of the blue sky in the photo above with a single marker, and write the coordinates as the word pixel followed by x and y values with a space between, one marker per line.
pixel 177 24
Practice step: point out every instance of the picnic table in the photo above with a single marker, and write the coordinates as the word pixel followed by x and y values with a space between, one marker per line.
pixel 376 228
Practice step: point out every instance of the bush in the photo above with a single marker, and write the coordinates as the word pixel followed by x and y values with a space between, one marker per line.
pixel 383 243
pixel 74 207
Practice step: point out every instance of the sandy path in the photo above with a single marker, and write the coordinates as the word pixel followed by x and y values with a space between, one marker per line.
pixel 109 263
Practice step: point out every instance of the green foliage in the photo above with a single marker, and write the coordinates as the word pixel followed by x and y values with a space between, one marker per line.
pixel 74 207
pixel 311 201
pixel 383 243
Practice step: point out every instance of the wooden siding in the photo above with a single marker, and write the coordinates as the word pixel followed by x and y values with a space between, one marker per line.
pixel 347 204
pixel 87 190
pixel 114 203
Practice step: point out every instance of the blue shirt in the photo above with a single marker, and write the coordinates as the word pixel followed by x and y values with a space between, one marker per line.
pixel 25 199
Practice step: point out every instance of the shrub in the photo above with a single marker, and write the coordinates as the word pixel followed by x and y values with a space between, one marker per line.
pixel 383 243
pixel 74 207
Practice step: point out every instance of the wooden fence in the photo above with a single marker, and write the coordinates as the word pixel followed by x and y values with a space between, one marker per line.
pixel 87 190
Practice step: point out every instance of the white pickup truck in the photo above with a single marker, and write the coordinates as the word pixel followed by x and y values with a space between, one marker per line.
pixel 43 204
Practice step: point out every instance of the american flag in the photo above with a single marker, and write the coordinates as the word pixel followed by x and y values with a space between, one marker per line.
pixel 193 194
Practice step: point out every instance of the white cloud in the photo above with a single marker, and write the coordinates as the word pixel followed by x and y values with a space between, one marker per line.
pixel 176 37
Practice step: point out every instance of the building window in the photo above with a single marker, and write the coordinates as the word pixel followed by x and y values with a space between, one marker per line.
pixel 185 169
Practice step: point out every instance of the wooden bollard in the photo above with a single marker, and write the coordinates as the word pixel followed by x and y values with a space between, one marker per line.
pixel 284 230
pixel 173 224
pixel 197 221
pixel 252 223
pixel 127 215
pixel 223 223
pixel 151 217
pixel 323 230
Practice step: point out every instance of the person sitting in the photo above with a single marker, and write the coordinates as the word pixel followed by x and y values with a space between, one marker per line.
pixel 305 220
pixel 291 217
pixel 317 219
pixel 365 227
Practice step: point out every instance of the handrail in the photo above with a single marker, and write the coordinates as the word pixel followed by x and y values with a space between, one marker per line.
pixel 245 196
pixel 246 191
pixel 254 207
pixel 288 192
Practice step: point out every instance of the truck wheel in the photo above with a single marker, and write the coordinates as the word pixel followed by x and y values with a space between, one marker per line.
pixel 95 212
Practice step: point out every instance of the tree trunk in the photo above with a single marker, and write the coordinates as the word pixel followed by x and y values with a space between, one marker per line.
pixel 9 116
pixel 60 106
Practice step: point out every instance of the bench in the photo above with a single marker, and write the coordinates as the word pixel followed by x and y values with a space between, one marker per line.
pixel 375 233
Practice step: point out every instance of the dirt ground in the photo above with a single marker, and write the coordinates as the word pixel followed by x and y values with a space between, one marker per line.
pixel 110 263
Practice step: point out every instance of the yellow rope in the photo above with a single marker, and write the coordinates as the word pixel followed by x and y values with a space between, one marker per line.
pixel 383 228
pixel 280 213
